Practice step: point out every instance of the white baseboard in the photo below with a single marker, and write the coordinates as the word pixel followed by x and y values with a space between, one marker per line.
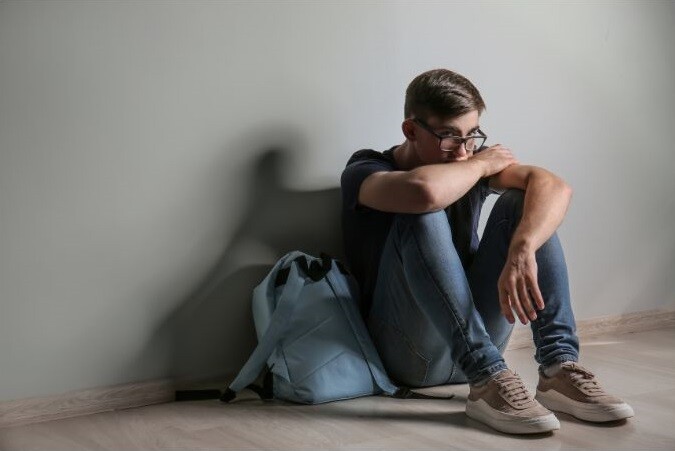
pixel 614 324
pixel 84 402
pixel 124 396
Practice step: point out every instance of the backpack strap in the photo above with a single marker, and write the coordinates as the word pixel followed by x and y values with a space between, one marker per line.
pixel 279 323
pixel 342 293
pixel 265 392
pixel 407 393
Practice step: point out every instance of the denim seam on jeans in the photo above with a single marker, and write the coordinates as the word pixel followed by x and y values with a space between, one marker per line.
pixel 380 326
pixel 412 348
pixel 537 344
pixel 448 302
pixel 426 361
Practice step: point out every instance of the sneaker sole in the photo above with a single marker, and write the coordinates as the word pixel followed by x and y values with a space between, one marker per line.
pixel 597 413
pixel 512 424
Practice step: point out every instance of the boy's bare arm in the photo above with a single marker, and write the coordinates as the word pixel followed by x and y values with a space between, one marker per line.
pixel 430 187
pixel 447 182
pixel 547 198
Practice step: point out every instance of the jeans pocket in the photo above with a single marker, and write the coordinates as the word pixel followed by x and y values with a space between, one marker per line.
pixel 404 365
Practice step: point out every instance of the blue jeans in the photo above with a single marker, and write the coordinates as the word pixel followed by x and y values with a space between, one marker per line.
pixel 435 323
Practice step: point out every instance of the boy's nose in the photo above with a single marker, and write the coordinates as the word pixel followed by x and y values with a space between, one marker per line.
pixel 460 151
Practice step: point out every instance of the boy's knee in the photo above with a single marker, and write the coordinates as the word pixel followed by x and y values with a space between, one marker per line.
pixel 434 226
pixel 513 200
pixel 426 219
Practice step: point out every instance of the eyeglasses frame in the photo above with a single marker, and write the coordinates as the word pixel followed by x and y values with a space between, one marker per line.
pixel 426 126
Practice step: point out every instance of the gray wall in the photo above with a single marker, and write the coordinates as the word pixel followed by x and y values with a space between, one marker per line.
pixel 156 158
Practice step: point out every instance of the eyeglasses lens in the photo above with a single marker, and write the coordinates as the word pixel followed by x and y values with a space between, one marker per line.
pixel 472 143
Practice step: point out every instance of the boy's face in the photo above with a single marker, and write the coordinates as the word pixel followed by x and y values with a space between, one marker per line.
pixel 428 145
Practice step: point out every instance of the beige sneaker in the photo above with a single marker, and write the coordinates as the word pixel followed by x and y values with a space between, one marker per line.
pixel 574 390
pixel 505 404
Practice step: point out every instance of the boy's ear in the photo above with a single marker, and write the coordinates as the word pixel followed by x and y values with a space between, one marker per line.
pixel 408 128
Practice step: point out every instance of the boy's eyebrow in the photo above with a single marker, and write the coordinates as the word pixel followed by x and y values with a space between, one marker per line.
pixel 456 130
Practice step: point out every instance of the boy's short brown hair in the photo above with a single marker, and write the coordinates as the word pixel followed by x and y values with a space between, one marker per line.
pixel 441 93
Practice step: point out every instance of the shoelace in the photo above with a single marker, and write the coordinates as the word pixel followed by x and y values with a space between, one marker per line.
pixel 513 389
pixel 584 379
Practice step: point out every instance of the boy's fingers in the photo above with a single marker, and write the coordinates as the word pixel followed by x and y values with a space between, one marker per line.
pixel 526 300
pixel 515 302
pixel 505 307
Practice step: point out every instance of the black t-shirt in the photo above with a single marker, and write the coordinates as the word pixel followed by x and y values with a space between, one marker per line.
pixel 365 229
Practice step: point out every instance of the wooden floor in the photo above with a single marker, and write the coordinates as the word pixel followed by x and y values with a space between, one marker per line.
pixel 639 367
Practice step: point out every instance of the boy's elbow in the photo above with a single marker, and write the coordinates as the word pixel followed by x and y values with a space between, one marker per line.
pixel 567 189
pixel 558 184
pixel 430 200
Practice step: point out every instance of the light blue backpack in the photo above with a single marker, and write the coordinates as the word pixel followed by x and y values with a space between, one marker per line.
pixel 312 341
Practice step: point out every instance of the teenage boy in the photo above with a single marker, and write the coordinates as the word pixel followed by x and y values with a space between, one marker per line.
pixel 438 302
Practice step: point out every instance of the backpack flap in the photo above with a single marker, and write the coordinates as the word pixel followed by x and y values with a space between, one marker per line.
pixel 320 352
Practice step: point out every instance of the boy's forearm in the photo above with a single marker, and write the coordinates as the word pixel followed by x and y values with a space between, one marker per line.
pixel 447 182
pixel 546 202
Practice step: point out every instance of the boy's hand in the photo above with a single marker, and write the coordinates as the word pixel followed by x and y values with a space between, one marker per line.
pixel 494 159
pixel 518 287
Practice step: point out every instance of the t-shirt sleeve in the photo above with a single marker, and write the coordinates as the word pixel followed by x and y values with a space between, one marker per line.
pixel 352 177
pixel 485 187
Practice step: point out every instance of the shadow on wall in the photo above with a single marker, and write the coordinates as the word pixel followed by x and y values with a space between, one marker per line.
pixel 211 335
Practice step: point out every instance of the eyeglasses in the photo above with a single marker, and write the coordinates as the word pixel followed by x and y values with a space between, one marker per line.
pixel 449 143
